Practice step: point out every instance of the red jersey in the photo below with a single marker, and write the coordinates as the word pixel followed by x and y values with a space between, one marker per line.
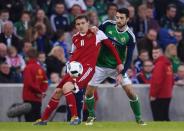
pixel 35 81
pixel 86 48
pixel 162 81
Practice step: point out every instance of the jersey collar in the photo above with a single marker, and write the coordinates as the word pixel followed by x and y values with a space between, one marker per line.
pixel 126 28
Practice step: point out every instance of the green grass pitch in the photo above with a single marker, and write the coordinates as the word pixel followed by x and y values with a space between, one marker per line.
pixel 98 126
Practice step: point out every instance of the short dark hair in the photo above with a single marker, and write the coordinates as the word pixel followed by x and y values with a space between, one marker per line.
pixel 157 47
pixel 110 5
pixel 25 12
pixel 59 33
pixel 171 6
pixel 59 3
pixel 123 11
pixel 143 51
pixel 32 53
pixel 4 11
pixel 81 17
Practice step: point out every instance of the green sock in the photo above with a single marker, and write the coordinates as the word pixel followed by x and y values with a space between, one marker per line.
pixel 90 103
pixel 135 105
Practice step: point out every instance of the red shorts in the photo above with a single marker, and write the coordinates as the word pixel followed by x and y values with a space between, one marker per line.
pixel 82 80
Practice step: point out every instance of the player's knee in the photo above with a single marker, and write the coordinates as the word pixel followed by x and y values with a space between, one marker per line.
pixel 67 87
pixel 129 91
pixel 90 91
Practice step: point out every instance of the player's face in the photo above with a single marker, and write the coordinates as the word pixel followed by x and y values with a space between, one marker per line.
pixel 121 20
pixel 82 25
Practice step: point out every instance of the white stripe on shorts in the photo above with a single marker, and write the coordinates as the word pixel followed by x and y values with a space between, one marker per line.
pixel 86 74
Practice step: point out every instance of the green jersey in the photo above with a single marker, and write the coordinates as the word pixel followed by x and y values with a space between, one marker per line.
pixel 123 41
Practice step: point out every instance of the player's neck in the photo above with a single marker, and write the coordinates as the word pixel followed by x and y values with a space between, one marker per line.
pixel 82 33
pixel 122 29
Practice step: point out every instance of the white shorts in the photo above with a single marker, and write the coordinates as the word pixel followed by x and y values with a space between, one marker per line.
pixel 101 73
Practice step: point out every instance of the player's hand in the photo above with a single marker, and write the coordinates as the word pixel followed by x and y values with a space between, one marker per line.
pixel 152 98
pixel 119 79
pixel 94 29
pixel 120 68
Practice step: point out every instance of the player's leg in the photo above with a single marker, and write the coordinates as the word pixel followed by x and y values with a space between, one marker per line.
pixel 71 102
pixel 90 100
pixel 99 76
pixel 70 88
pixel 133 99
pixel 53 103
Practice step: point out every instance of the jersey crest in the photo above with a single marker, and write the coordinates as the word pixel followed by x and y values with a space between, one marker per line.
pixel 123 40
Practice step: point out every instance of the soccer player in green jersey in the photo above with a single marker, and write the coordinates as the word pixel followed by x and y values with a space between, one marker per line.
pixel 124 41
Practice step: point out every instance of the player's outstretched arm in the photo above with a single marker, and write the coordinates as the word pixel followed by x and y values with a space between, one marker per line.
pixel 101 37
pixel 113 50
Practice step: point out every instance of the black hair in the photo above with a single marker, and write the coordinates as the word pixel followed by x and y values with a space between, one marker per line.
pixel 171 6
pixel 59 3
pixel 4 11
pixel 59 33
pixel 123 11
pixel 143 51
pixel 25 12
pixel 110 5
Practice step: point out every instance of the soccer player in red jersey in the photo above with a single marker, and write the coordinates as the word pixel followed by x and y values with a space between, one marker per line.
pixel 86 46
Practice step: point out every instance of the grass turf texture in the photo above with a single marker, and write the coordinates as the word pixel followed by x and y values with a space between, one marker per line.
pixel 98 126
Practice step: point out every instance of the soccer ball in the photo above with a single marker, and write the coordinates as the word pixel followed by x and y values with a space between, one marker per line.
pixel 75 69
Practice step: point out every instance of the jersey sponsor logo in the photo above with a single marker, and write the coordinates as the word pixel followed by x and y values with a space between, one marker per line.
pixel 39 74
pixel 110 32
pixel 76 40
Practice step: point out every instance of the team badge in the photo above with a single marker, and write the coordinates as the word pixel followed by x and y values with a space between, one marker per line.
pixel 123 39
pixel 40 74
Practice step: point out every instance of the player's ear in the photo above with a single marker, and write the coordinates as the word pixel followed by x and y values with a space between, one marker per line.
pixel 127 19
pixel 88 22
